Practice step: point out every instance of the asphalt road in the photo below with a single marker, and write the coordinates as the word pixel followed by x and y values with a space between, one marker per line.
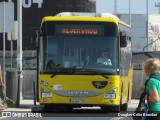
pixel 85 113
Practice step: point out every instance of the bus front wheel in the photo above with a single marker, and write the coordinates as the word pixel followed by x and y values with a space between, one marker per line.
pixel 124 107
pixel 48 108
pixel 110 108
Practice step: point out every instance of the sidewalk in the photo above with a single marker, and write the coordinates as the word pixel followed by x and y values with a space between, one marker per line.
pixel 27 103
pixel 133 104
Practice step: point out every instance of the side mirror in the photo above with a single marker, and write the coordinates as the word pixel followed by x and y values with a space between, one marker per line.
pixel 39 34
pixel 123 39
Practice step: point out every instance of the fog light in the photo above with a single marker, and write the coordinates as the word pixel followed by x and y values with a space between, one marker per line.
pixel 46 95
pixel 110 96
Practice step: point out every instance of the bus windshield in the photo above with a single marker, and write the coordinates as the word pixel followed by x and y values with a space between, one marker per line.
pixel 77 51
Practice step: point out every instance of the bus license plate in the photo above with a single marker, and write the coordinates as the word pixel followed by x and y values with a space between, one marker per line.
pixel 77 100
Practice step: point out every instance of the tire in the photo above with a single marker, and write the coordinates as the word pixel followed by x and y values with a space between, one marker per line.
pixel 110 109
pixel 124 107
pixel 62 108
pixel 68 108
pixel 48 108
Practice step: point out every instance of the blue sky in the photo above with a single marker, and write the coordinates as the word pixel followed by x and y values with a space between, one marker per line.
pixel 137 6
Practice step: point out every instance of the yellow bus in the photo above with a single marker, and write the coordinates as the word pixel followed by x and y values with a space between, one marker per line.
pixel 69 74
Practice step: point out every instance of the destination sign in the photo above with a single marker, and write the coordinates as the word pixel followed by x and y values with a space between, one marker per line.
pixel 70 29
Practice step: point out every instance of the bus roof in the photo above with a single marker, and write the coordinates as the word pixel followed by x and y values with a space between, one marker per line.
pixel 79 16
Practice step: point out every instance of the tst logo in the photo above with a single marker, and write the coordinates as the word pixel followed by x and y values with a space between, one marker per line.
pixel 28 3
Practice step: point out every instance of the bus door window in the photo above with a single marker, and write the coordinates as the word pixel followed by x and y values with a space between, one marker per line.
pixel 50 65
pixel 51 56
pixel 42 53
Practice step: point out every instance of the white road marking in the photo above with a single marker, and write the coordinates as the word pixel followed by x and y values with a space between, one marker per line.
pixel 117 118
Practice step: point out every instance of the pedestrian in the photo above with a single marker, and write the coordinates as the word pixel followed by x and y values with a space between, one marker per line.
pixel 152 70
pixel 5 102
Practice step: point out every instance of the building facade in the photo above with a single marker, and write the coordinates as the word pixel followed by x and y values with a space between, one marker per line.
pixel 34 10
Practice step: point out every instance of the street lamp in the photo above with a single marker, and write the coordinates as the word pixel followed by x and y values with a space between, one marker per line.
pixel 115 7
pixel 130 12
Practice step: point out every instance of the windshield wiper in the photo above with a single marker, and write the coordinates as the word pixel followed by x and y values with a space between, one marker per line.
pixel 102 73
pixel 54 74
pixel 86 62
pixel 104 76
pixel 64 70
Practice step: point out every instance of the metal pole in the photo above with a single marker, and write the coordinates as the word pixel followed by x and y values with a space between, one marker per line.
pixel 4 48
pixel 11 45
pixel 115 7
pixel 11 52
pixel 130 12
pixel 19 50
pixel 34 92
pixel 147 24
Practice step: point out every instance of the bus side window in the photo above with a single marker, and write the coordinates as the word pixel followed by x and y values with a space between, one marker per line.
pixel 123 39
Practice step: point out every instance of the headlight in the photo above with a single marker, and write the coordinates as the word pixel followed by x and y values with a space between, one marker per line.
pixel 111 94
pixel 46 95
